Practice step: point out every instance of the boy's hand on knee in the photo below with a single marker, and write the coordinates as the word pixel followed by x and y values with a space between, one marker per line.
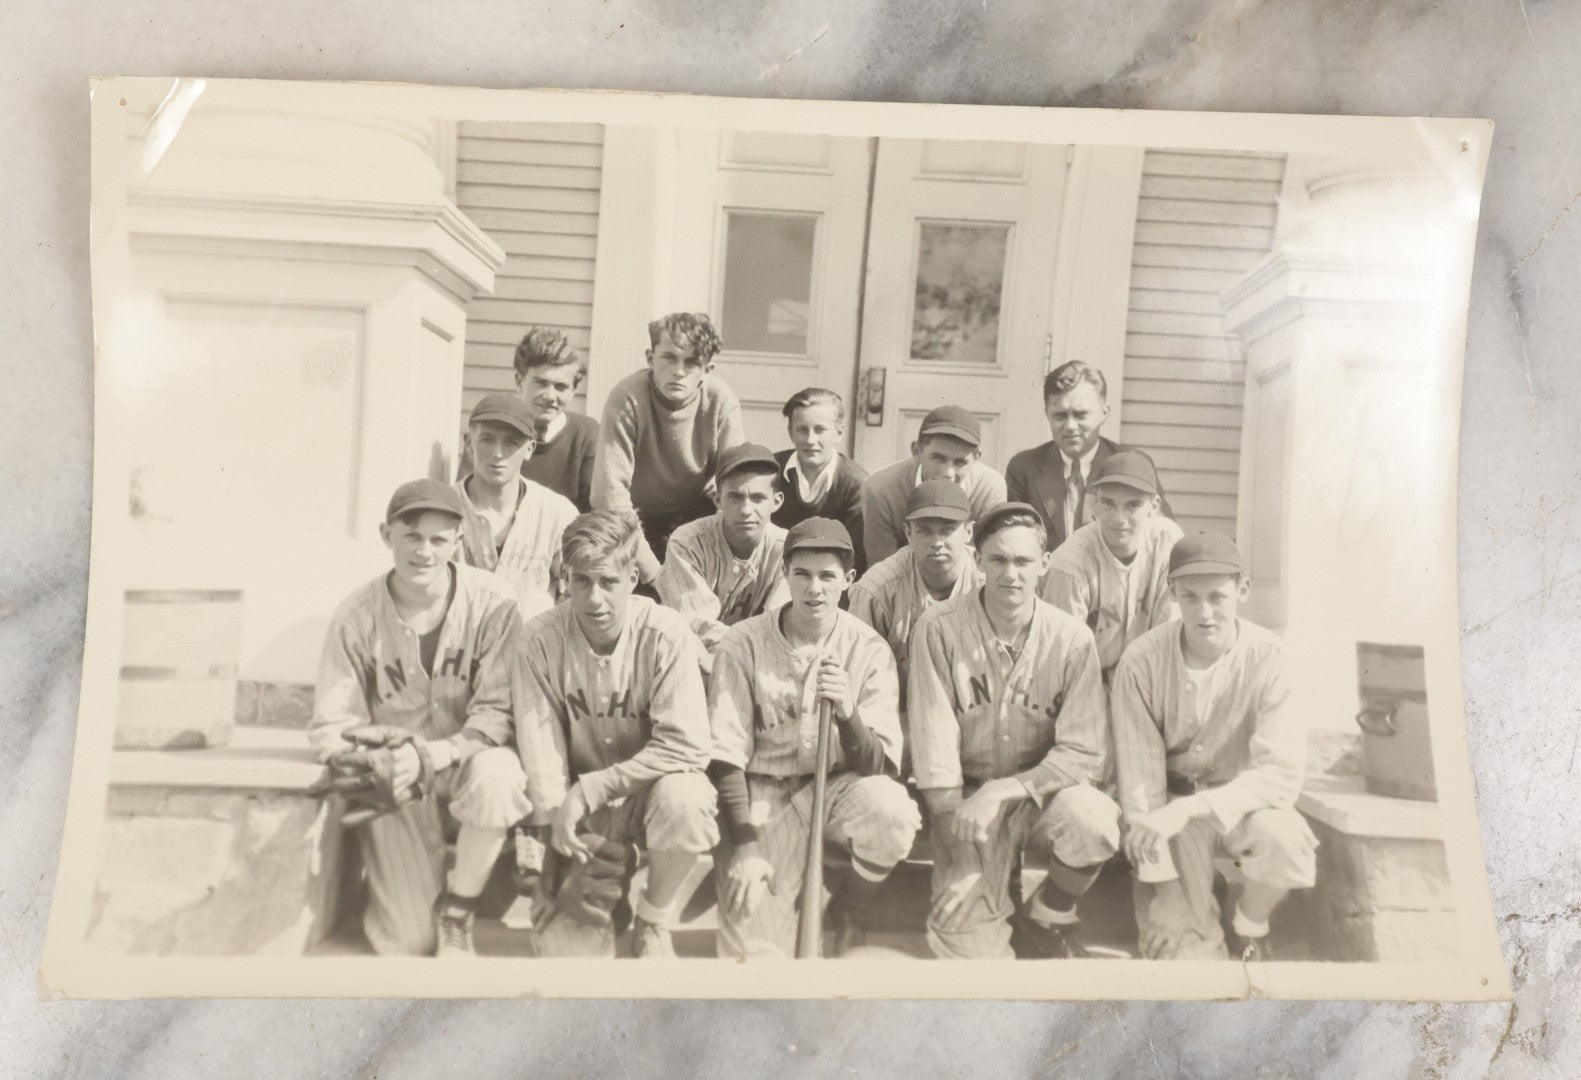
pixel 563 826
pixel 749 877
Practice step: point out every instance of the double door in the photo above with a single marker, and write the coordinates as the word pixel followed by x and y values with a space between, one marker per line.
pixel 902 273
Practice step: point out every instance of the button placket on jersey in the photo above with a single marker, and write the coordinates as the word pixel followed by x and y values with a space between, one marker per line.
pixel 605 721
pixel 807 718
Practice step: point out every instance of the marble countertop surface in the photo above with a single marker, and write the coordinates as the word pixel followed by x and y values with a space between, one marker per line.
pixel 1516 61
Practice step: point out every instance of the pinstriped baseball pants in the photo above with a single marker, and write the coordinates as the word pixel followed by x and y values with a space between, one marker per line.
pixel 969 917
pixel 677 812
pixel 870 816
pixel 1180 920
pixel 404 853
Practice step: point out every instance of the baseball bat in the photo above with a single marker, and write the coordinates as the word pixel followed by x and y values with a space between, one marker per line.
pixel 809 932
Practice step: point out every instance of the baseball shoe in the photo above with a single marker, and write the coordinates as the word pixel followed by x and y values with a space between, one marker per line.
pixel 454 925
pixel 650 942
pixel 1034 941
pixel 1247 949
pixel 848 932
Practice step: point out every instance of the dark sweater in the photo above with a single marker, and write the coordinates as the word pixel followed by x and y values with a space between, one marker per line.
pixel 565 464
pixel 843 502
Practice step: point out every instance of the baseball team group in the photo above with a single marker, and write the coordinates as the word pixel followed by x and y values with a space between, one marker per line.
pixel 613 650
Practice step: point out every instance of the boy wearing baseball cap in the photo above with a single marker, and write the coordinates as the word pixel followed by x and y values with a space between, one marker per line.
pixel 421 650
pixel 512 524
pixel 1008 735
pixel 935 565
pixel 1113 572
pixel 664 428
pixel 771 672
pixel 948 446
pixel 726 567
pixel 1210 756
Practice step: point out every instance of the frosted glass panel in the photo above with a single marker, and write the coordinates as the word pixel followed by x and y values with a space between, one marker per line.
pixel 768 282
pixel 960 279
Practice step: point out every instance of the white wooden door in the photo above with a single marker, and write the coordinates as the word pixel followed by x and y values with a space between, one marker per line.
pixel 960 272
pixel 768 239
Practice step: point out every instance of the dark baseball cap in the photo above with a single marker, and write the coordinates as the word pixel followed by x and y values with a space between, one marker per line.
pixel 1128 468
pixel 1204 553
pixel 954 421
pixel 424 495
pixel 741 455
pixel 818 534
pixel 986 525
pixel 938 498
pixel 505 409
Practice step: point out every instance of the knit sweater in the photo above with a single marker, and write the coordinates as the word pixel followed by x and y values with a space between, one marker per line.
pixel 657 459
pixel 884 502
pixel 564 464
pixel 843 501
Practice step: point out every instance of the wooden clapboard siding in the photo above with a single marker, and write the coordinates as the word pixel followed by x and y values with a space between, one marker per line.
pixel 534 188
pixel 1203 220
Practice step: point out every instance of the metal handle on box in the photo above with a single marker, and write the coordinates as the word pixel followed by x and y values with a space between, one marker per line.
pixel 1376 721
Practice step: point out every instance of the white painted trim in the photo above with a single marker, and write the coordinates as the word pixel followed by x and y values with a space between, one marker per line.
pixel 1092 279
pixel 632 256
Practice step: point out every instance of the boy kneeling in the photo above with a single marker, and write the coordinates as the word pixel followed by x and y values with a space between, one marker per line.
pixel 1007 722
pixel 1210 759
pixel 611 728
pixel 770 674
pixel 418 651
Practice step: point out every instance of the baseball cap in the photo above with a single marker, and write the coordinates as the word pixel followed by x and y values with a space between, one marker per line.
pixel 1204 553
pixel 817 534
pixel 1129 468
pixel 423 495
pixel 743 454
pixel 986 524
pixel 506 409
pixel 939 498
pixel 954 421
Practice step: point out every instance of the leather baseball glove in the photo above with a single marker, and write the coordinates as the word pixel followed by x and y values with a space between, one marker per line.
pixel 364 773
pixel 592 893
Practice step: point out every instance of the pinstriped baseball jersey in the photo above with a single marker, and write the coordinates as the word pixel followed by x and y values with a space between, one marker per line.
pixel 703 579
pixel 1232 724
pixel 892 595
pixel 762 695
pixel 1118 602
pixel 370 672
pixel 977 713
pixel 613 724
pixel 529 556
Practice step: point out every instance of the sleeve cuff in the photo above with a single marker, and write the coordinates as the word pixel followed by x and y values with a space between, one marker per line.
pixel 1226 807
pixel 1041 783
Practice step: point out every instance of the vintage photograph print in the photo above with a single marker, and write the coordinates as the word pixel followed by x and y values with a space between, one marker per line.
pixel 615 545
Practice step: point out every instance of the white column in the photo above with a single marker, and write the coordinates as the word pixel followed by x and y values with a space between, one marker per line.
pixel 1348 455
pixel 283 297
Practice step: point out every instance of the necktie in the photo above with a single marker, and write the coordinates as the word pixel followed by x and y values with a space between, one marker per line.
pixel 1074 490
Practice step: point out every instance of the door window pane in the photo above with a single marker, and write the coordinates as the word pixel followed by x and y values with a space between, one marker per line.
pixel 768 282
pixel 960 276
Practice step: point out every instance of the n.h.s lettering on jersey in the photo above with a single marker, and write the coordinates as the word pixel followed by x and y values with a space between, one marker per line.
pixel 975 712
pixel 613 724
pixel 371 672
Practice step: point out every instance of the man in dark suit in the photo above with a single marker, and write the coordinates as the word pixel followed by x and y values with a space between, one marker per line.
pixel 1052 478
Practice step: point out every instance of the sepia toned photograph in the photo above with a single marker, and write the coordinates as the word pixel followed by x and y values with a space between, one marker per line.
pixel 540 528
